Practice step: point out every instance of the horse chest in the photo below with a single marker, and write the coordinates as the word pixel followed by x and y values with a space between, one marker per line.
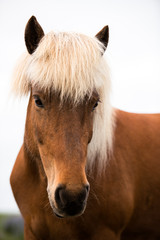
pixel 77 229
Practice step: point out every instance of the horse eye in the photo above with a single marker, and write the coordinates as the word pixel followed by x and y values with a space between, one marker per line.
pixel 95 105
pixel 38 102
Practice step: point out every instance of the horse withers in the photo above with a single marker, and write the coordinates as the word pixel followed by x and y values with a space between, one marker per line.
pixel 85 170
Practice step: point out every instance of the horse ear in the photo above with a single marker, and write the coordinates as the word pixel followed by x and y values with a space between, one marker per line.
pixel 103 36
pixel 33 34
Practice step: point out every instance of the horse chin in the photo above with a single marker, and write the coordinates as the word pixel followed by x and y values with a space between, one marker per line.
pixel 59 216
pixel 66 214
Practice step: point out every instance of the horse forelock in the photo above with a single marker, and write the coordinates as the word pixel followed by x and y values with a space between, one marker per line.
pixel 71 64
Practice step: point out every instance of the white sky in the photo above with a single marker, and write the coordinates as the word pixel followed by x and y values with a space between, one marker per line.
pixel 133 55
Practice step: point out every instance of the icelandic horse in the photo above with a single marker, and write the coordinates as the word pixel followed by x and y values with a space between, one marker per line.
pixel 85 170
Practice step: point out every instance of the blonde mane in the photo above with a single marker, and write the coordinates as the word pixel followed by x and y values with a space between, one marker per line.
pixel 73 65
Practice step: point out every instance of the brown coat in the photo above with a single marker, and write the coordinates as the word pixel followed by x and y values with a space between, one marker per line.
pixel 123 204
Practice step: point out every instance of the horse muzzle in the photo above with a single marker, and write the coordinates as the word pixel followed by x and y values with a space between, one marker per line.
pixel 69 203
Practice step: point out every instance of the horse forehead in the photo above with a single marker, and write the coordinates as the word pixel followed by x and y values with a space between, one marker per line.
pixel 68 111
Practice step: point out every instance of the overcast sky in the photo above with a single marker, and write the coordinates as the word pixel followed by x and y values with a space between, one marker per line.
pixel 133 55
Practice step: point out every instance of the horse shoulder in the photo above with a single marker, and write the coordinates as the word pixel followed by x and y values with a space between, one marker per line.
pixel 18 175
pixel 28 192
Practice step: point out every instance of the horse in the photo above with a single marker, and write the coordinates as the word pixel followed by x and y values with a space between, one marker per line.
pixel 86 170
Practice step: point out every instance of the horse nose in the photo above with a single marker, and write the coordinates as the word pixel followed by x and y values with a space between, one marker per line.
pixel 71 202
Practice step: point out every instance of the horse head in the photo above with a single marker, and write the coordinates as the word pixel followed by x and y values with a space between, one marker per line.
pixel 65 78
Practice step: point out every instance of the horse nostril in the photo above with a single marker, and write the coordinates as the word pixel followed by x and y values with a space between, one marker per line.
pixel 87 186
pixel 59 198
pixel 82 196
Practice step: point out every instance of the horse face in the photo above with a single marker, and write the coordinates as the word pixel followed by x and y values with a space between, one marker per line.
pixel 59 132
pixel 62 133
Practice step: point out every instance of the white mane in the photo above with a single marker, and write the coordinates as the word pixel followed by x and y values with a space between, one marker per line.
pixel 73 65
